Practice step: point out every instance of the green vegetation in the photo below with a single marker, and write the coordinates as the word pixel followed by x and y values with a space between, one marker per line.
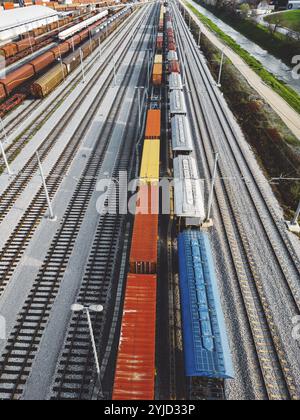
pixel 289 19
pixel 276 44
pixel 287 93
pixel 277 150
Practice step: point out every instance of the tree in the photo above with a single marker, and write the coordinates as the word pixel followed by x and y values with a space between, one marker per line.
pixel 245 10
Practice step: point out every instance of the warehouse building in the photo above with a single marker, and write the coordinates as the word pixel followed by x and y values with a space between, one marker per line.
pixel 19 20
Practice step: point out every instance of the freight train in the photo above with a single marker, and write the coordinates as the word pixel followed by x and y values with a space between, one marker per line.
pixel 206 350
pixel 135 368
pixel 27 71
pixel 56 75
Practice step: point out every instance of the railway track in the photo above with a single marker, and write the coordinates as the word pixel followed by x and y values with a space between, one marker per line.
pixel 13 150
pixel 15 246
pixel 276 371
pixel 98 283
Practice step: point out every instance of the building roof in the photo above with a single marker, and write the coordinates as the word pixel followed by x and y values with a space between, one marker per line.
pixel 206 348
pixel 24 15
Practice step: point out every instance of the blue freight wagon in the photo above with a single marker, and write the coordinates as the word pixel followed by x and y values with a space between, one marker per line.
pixel 206 348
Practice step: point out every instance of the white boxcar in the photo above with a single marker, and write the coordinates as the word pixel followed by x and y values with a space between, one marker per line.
pixel 177 103
pixel 188 191
pixel 76 28
pixel 182 141
pixel 175 82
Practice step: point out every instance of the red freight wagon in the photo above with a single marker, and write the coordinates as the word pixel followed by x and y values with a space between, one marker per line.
pixel 25 44
pixel 135 369
pixel 170 32
pixel 17 77
pixel 153 125
pixel 2 92
pixel 61 49
pixel 143 257
pixel 42 61
pixel 9 50
pixel 174 67
pixel 157 74
pixel 171 46
pixel 159 43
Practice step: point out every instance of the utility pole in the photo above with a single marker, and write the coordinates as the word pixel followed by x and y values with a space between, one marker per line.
pixel 293 226
pixel 97 309
pixel 115 72
pixel 3 151
pixel 52 216
pixel 82 68
pixel 100 48
pixel 139 88
pixel 199 37
pixel 208 221
pixel 221 69
pixel 94 350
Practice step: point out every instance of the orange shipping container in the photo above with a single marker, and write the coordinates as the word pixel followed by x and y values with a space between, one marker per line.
pixel 143 257
pixel 135 369
pixel 157 74
pixel 153 126
pixel 8 6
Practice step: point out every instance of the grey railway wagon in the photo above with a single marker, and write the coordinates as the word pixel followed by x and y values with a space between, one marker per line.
pixel 188 191
pixel 177 103
pixel 172 56
pixel 182 141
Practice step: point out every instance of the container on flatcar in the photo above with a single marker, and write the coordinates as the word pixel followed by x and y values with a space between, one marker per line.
pixel 157 74
pixel 144 246
pixel 150 162
pixel 158 59
pixel 135 368
pixel 153 125
pixel 47 83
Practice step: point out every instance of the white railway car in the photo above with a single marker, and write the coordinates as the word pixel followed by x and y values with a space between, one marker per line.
pixel 76 28
pixel 293 5
pixel 172 56
pixel 177 103
pixel 175 82
pixel 182 142
pixel 188 192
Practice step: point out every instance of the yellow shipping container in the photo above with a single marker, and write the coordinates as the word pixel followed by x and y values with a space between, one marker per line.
pixel 158 59
pixel 150 162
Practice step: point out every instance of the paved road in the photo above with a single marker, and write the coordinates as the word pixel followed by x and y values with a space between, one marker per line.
pixel 290 117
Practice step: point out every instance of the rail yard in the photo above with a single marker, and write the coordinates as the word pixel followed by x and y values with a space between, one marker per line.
pixel 143 253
